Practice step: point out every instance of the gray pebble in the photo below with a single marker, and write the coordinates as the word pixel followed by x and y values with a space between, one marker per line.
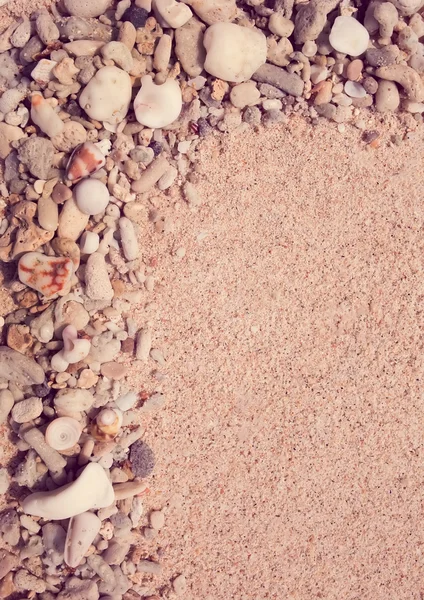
pixel 37 155
pixel 142 459
pixel 290 83
pixel 10 527
pixel 270 91
pixel 18 368
pixel 252 115
pixel 46 29
pixel 116 552
pixel 149 566
pixel 103 570
pixel 27 410
pixel 22 34
pixel 8 562
pixel 33 47
pixel 6 404
pixel 326 110
pixel 382 57
pixel 189 46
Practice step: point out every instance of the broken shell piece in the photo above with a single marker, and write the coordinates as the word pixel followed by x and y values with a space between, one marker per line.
pixel 74 349
pixel 63 433
pixel 107 96
pixel 45 117
pixel 46 274
pixel 91 196
pixel 81 532
pixel 157 106
pixel 108 424
pixel 91 490
pixel 85 160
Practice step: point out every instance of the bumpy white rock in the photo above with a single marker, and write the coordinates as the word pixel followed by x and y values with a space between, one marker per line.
pixel 349 36
pixel 234 53
pixel 107 96
pixel 174 14
pixel 158 105
pixel 91 196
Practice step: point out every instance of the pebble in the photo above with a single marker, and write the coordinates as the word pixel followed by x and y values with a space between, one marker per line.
pixel 143 344
pixel 179 585
pixel 349 36
pixel 11 98
pixel 86 10
pixel 119 53
pixel 354 89
pixel 46 29
pixel 244 94
pixel 136 15
pixel 37 155
pixel 168 178
pixel 290 83
pixel 97 282
pixel 214 11
pixel 142 459
pixel 280 25
pixel 46 274
pixel 8 562
pixel 8 134
pixel 387 98
pixel 158 106
pixel 91 196
pixel 72 221
pixel 128 239
pixel 48 214
pixel 19 369
pixel 173 14
pixel 113 370
pixel 27 410
pixel 22 34
pixel 107 96
pixel 149 566
pixel 6 403
pixel 72 135
pixel 89 242
pixel 157 519
pixel 234 53
pixel 151 175
pixel 189 47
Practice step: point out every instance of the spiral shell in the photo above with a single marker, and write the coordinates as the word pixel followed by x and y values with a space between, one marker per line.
pixel 63 433
pixel 108 424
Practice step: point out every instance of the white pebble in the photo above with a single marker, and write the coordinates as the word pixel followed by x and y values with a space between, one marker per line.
pixel 89 242
pixel 349 36
pixel 128 238
pixel 354 89
pixel 91 196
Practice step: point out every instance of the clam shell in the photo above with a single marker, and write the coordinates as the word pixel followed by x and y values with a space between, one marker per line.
pixel 82 530
pixel 63 433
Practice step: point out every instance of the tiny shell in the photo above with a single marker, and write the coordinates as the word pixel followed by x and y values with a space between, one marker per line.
pixel 82 530
pixel 91 196
pixel 85 160
pixel 63 433
pixel 108 424
pixel 46 274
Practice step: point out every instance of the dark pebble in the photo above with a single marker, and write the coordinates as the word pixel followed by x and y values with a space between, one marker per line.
pixel 156 147
pixel 42 390
pixel 142 459
pixel 204 127
pixel 137 16
pixel 73 109
pixel 370 136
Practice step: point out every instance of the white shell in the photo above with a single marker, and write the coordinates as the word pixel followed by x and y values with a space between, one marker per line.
pixel 63 433
pixel 82 530
pixel 349 36
pixel 92 489
pixel 91 196
pixel 158 105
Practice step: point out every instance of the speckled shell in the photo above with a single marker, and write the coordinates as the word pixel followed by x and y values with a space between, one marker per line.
pixel 85 160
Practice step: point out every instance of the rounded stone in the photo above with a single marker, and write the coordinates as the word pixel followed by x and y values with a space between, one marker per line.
pixel 86 8
pixel 142 459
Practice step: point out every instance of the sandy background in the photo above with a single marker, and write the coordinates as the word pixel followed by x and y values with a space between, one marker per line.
pixel 290 450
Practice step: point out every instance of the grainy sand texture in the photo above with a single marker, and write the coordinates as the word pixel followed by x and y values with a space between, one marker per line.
pixel 290 450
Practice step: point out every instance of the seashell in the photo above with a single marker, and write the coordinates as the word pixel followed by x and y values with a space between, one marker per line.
pixel 82 530
pixel 45 117
pixel 74 349
pixel 157 106
pixel 108 424
pixel 91 196
pixel 68 402
pixel 43 72
pixel 91 490
pixel 86 159
pixel 89 242
pixel 63 433
pixel 46 274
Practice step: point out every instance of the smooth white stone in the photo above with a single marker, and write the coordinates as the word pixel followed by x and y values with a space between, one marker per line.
pixel 349 36
pixel 157 106
pixel 91 196
pixel 107 96
pixel 174 14
pixel 89 242
pixel 234 53
pixel 354 89
pixel 81 532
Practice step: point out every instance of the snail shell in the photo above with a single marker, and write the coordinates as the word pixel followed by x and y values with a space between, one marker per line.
pixel 108 424
pixel 63 433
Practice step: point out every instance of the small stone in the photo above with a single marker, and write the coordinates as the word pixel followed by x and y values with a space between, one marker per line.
pixel 244 94
pixel 22 34
pixel 370 85
pixel 119 53
pixel 113 370
pixel 46 29
pixel 72 221
pixel 189 47
pixel 10 527
pixel 107 96
pixel 234 53
pixel 19 338
pixel 382 57
pixel 137 16
pixel 142 459
pixel 128 346
pixel 280 25
pixel 6 404
pixel 27 410
pixel 86 10
pixel 61 193
pixel 70 137
pixel 37 155
pixel 354 70
pixel 214 11
pixel 354 89
pixel 25 581
pixel 349 36
pixel 387 98
pixel 149 566
pixel 87 379
pixel 8 562
pixel 8 134
pixel 179 585
pixel 290 83
pixel 18 368
pixel 157 519
pixel 98 286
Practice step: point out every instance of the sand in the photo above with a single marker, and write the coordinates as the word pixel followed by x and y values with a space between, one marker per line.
pixel 290 450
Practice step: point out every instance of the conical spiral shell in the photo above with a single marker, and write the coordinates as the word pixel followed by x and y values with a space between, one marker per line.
pixel 63 433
